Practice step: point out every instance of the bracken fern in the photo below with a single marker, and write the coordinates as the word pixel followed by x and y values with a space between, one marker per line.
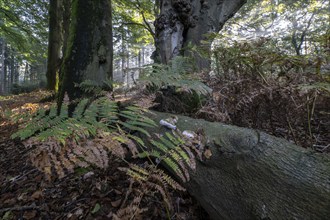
pixel 178 74
pixel 60 143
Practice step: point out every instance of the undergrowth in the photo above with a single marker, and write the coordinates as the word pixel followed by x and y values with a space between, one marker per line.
pixel 179 74
pixel 98 128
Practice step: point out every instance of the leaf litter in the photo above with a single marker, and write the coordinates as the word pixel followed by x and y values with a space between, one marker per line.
pixel 86 194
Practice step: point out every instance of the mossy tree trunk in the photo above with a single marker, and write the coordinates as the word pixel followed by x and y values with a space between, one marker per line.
pixel 55 42
pixel 89 49
pixel 252 175
pixel 185 23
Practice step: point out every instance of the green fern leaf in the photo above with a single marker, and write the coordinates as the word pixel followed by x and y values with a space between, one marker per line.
pixel 134 128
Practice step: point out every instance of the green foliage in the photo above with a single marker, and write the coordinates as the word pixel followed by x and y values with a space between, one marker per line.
pixel 261 58
pixel 174 151
pixel 294 25
pixel 62 144
pixel 133 21
pixel 23 24
pixel 132 27
pixel 179 73
pixel 90 87
pixel 153 179
pixel 89 118
pixel 321 86
pixel 24 88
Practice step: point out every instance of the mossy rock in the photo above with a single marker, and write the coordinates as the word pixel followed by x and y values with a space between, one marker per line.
pixel 176 100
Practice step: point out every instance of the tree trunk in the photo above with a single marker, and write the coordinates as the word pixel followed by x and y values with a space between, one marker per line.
pixel 55 42
pixel 89 48
pixel 11 73
pixel 2 62
pixel 66 24
pixel 252 175
pixel 6 65
pixel 185 23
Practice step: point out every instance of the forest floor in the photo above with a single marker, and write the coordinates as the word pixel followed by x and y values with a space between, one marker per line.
pixel 86 194
pixel 295 107
pixel 282 108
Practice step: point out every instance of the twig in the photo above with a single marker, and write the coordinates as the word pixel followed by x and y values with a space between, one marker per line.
pixel 310 113
pixel 130 188
pixel 16 178
pixel 291 129
pixel 19 208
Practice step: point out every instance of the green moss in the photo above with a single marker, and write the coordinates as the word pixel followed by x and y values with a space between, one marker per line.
pixel 67 54
pixel 72 29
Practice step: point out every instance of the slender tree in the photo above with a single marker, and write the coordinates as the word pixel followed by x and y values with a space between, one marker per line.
pixel 55 42
pixel 2 63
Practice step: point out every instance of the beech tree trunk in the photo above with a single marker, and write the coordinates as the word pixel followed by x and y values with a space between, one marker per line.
pixel 55 42
pixel 252 175
pixel 2 62
pixel 182 23
pixel 89 48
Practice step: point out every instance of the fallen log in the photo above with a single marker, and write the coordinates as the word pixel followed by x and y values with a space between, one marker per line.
pixel 253 175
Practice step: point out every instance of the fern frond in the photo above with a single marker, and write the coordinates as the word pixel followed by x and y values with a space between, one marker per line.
pixel 174 166
pixel 97 127
pixel 90 87
pixel 165 179
pixel 134 128
pixel 175 139
pixel 175 152
pixel 80 109
pixel 178 73
pixel 132 211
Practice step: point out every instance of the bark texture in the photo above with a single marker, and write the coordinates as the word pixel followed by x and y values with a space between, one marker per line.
pixel 252 175
pixel 184 22
pixel 89 47
pixel 2 62
pixel 55 42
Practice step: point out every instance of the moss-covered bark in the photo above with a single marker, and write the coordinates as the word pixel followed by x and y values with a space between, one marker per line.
pixel 88 53
pixel 55 42
pixel 252 175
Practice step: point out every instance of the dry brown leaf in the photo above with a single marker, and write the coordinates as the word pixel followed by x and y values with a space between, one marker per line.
pixel 132 147
pixel 30 214
pixel 79 212
pixel 118 192
pixel 207 153
pixel 88 175
pixel 37 195
pixel 98 186
pixel 22 197
pixel 116 203
pixel 10 201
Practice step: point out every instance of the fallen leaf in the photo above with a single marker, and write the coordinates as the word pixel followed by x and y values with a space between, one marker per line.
pixel 96 208
pixel 30 214
pixel 118 192
pixel 116 203
pixel 22 197
pixel 98 186
pixel 110 215
pixel 88 175
pixel 10 201
pixel 7 216
pixel 207 153
pixel 37 195
pixel 79 212
pixel 38 178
